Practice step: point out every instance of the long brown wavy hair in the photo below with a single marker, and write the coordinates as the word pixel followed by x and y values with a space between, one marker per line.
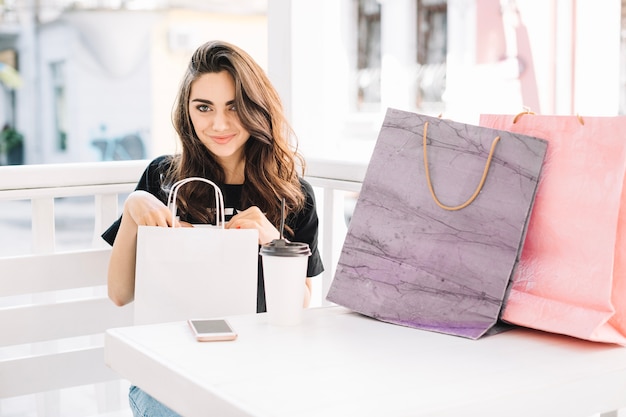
pixel 272 162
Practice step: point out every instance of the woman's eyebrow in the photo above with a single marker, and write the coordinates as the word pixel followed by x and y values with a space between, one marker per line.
pixel 201 100
pixel 209 102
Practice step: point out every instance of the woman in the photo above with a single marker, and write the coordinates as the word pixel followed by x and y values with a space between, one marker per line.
pixel 230 122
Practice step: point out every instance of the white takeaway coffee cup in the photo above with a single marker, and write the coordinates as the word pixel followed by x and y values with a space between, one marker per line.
pixel 284 273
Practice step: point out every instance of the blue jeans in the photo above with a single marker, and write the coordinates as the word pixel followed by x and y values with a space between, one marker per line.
pixel 143 405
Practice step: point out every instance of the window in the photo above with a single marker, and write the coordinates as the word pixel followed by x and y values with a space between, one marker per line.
pixel 368 58
pixel 431 54
pixel 57 70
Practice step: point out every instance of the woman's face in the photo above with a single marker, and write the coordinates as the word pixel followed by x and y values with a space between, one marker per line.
pixel 214 116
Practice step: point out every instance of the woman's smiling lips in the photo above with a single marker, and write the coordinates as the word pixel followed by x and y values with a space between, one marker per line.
pixel 222 139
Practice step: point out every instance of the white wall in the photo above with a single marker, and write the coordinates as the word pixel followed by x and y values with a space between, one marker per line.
pixel 597 58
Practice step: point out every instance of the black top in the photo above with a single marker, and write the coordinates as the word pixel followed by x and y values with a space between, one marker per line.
pixel 304 223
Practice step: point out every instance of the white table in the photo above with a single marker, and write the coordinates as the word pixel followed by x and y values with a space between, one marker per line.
pixel 339 363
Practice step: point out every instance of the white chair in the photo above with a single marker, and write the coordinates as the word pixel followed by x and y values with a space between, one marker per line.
pixel 53 313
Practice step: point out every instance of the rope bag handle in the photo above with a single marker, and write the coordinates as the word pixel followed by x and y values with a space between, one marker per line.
pixel 480 184
pixel 528 111
pixel 219 199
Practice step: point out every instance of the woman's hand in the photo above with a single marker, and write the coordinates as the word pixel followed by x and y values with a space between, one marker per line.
pixel 253 218
pixel 140 209
pixel 147 210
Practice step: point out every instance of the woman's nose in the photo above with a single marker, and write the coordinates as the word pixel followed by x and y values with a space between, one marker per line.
pixel 220 121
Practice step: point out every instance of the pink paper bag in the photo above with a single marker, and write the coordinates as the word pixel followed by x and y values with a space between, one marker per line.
pixel 571 278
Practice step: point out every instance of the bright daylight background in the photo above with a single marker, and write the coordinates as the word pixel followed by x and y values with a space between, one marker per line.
pixel 95 80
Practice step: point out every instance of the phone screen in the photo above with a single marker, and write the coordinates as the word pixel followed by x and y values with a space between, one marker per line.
pixel 214 329
pixel 211 326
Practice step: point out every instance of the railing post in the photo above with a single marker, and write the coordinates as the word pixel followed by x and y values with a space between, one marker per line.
pixel 106 212
pixel 328 236
pixel 43 237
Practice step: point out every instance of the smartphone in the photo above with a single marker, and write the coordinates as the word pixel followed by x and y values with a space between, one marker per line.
pixel 211 330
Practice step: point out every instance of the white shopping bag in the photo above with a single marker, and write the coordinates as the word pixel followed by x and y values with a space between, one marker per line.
pixel 198 272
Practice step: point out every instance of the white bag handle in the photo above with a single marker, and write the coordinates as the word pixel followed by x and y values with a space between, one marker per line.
pixel 219 199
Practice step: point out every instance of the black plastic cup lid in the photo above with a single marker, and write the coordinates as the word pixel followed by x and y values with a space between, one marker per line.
pixel 281 247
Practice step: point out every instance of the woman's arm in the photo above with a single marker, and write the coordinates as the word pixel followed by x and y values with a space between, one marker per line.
pixel 141 208
pixel 308 288
pixel 121 275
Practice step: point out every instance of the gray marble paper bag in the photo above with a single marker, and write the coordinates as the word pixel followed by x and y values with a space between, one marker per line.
pixel 406 260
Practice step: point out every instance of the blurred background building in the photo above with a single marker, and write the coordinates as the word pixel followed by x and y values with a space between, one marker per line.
pixel 92 80
pixel 88 80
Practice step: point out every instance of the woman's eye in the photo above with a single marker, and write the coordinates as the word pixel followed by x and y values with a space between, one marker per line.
pixel 203 108
pixel 232 108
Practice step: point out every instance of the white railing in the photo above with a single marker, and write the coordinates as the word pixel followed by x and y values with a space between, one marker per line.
pixel 335 183
pixel 53 303
pixel 52 294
